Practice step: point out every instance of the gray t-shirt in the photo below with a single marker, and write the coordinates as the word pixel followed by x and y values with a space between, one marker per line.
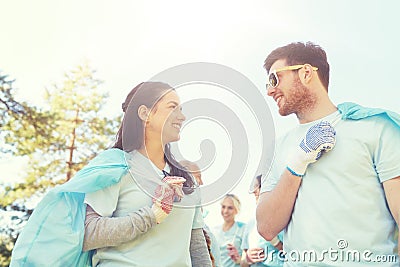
pixel 340 217
pixel 166 244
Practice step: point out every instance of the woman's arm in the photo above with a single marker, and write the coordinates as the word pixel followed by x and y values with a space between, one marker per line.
pixel 112 231
pixel 198 249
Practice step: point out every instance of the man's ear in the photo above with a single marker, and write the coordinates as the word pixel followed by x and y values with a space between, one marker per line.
pixel 143 113
pixel 307 74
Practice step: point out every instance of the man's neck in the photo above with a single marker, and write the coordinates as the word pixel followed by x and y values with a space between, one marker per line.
pixel 320 110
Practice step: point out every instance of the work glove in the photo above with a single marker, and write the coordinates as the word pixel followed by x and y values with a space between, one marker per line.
pixel 164 196
pixel 176 183
pixel 319 138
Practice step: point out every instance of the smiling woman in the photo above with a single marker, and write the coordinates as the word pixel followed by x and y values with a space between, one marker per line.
pixel 165 119
pixel 125 210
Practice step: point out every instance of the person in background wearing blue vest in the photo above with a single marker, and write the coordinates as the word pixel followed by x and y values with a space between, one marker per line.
pixel 230 235
pixel 258 251
pixel 212 242
pixel 335 180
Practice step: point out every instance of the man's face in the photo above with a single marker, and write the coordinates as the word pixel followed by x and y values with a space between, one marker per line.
pixel 290 95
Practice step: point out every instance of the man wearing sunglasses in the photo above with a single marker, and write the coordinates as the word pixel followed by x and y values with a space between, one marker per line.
pixel 334 185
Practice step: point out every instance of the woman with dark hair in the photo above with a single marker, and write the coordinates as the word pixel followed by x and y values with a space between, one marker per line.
pixel 132 205
pixel 150 232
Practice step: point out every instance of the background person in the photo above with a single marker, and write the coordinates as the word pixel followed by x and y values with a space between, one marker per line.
pixel 193 169
pixel 230 235
pixel 215 254
pixel 256 250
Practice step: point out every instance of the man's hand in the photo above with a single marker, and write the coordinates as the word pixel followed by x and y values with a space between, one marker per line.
pixel 319 138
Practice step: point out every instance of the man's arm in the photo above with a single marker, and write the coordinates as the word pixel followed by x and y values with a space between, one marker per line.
pixel 392 189
pixel 275 208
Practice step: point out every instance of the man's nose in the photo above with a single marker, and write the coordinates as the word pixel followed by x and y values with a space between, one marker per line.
pixel 270 90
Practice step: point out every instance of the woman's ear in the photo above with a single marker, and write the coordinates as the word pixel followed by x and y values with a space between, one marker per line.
pixel 143 113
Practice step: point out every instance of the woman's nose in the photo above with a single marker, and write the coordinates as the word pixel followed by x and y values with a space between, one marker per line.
pixel 181 116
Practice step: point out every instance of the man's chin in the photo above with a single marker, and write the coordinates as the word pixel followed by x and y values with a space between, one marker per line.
pixel 284 113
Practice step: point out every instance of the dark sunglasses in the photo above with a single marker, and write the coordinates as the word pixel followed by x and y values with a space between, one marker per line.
pixel 273 79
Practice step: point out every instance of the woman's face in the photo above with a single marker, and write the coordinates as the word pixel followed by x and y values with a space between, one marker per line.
pixel 166 118
pixel 228 210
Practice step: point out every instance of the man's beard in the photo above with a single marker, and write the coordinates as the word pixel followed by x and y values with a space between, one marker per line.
pixel 298 100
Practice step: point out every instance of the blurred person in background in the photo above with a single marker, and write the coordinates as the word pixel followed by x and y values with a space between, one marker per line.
pixel 230 235
pixel 212 242
pixel 256 250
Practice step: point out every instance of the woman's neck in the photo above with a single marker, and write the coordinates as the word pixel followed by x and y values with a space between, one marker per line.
pixel 155 153
pixel 227 225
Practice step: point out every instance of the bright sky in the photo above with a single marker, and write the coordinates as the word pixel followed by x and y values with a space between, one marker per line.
pixel 130 41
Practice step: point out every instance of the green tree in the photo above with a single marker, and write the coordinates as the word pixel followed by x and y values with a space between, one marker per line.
pixel 19 113
pixel 12 110
pixel 75 132
pixel 8 104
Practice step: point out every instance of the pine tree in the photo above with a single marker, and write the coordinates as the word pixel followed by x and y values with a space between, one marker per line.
pixel 69 132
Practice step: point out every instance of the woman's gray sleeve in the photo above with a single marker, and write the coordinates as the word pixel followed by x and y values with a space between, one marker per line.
pixel 198 249
pixel 112 231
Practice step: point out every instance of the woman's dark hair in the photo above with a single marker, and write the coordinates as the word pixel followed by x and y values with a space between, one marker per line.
pixel 148 94
pixel 208 241
pixel 258 178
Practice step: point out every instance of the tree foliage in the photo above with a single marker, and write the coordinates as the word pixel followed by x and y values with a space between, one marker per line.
pixel 57 140
pixel 20 115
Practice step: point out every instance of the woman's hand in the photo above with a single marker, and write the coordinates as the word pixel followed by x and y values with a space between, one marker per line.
pixel 164 196
pixel 176 183
pixel 254 255
pixel 233 253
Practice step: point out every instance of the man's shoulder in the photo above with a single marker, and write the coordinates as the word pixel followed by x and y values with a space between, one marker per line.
pixel 352 111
